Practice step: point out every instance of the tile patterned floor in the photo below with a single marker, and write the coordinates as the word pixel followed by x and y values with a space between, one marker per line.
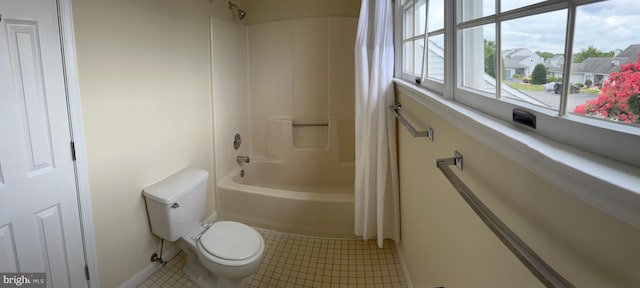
pixel 170 275
pixel 301 261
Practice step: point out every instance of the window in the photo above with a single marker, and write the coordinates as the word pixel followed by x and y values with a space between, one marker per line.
pixel 523 38
pixel 574 64
pixel 423 42
pixel 605 47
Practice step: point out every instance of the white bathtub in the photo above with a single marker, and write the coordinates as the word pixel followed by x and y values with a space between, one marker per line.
pixel 310 200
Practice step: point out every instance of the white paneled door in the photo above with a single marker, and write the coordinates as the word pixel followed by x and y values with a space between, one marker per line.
pixel 39 215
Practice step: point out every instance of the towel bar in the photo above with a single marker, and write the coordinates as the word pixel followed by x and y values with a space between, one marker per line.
pixel 549 277
pixel 309 124
pixel 406 124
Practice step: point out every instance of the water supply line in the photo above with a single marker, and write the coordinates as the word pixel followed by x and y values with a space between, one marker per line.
pixel 156 258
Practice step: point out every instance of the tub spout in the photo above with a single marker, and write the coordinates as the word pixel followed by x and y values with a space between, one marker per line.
pixel 241 159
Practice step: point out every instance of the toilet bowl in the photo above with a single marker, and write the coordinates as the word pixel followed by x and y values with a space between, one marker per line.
pixel 222 254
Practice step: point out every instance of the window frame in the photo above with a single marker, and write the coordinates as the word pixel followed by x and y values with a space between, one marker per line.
pixel 423 79
pixel 587 133
pixel 571 152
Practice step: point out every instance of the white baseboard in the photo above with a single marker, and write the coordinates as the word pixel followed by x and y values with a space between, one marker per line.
pixel 403 266
pixel 148 270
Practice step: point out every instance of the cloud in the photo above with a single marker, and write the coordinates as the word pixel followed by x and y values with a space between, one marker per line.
pixel 607 25
pixel 542 32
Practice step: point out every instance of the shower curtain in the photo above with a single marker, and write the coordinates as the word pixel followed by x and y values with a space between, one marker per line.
pixel 376 181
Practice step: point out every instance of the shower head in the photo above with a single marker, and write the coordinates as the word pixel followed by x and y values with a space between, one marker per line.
pixel 241 13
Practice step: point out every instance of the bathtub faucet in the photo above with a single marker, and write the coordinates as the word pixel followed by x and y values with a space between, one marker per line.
pixel 241 159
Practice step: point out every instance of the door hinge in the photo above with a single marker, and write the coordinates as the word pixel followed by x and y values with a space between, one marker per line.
pixel 73 151
pixel 86 272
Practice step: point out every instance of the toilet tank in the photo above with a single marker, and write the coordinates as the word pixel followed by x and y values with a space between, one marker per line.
pixel 177 203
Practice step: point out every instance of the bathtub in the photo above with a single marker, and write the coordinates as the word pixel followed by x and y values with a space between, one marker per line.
pixel 281 196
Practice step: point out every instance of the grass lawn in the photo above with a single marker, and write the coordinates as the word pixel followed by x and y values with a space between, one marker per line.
pixel 591 91
pixel 525 86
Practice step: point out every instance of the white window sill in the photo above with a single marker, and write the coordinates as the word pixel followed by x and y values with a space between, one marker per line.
pixel 608 185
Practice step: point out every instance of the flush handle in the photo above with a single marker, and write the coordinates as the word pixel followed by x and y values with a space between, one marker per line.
pixel 175 205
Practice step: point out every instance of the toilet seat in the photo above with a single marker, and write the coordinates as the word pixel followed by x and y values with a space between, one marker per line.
pixel 231 243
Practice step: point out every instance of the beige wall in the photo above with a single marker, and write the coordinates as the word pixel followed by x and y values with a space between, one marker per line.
pixel 145 92
pixel 230 93
pixel 274 10
pixel 445 244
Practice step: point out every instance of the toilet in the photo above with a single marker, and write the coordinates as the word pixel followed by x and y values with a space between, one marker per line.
pixel 222 254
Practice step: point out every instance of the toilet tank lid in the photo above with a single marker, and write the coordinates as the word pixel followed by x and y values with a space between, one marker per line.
pixel 169 190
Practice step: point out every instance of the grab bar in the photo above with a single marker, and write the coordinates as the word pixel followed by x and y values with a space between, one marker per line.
pixel 549 277
pixel 311 124
pixel 397 107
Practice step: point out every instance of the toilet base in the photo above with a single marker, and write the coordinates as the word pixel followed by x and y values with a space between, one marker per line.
pixel 203 278
pixel 200 276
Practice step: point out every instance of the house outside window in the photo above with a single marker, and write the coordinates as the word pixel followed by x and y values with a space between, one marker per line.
pixel 499 44
pixel 520 63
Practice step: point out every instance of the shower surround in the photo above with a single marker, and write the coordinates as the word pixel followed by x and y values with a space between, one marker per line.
pixel 288 88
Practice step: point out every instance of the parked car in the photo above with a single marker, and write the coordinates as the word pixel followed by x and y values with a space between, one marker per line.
pixel 572 88
pixel 551 86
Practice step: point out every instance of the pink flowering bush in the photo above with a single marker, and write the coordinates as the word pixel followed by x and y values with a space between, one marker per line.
pixel 619 99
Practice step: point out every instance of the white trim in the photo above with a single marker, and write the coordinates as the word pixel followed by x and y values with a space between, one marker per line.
pixel 148 270
pixel 611 186
pixel 404 267
pixel 77 134
pixel 397 35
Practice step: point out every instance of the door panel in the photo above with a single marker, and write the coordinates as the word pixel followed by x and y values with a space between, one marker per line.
pixel 8 258
pixel 49 222
pixel 28 74
pixel 39 215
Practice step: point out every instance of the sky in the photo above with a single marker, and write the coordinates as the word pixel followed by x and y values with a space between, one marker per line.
pixel 607 25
